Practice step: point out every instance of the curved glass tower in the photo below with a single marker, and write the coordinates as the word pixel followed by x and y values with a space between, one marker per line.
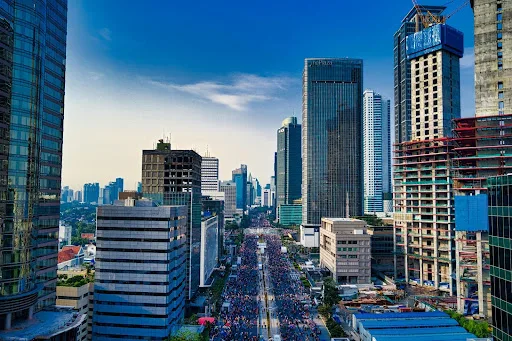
pixel 32 75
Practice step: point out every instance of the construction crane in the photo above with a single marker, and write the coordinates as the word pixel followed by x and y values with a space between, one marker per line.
pixel 428 19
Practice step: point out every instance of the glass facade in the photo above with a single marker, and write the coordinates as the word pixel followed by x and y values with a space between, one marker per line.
pixel 32 78
pixel 289 162
pixel 332 155
pixel 500 246
pixel 240 179
pixel 290 214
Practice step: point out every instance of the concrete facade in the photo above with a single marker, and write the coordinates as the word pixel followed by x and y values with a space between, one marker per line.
pixel 377 151
pixel 229 190
pixel 310 235
pixel 209 174
pixel 493 57
pixel 345 250
pixel 81 299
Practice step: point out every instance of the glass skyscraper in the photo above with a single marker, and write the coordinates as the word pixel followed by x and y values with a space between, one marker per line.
pixel 32 77
pixel 499 190
pixel 332 153
pixel 239 177
pixel 289 162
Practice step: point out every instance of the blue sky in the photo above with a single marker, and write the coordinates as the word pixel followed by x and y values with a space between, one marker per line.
pixel 217 75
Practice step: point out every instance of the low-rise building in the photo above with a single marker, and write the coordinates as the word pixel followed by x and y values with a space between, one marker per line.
pixel 290 214
pixel 70 256
pixel 381 247
pixel 78 297
pixel 310 235
pixel 345 250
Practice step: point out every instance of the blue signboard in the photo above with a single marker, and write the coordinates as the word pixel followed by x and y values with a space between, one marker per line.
pixel 435 38
pixel 471 213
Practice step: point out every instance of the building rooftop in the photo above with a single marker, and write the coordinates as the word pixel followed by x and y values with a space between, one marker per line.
pixel 44 323
pixel 417 326
pixel 343 220
pixel 68 252
pixel 435 10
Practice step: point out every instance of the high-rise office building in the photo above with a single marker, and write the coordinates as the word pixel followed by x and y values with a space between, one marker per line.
pixel 332 115
pixel 209 174
pixel 377 152
pixel 229 188
pixel 78 196
pixel 32 112
pixel 139 288
pixel 139 187
pixel 92 193
pixel 423 192
pixel 493 57
pixel 120 185
pixel 402 69
pixel 289 162
pixel 239 176
pixel 173 177
pixel 500 247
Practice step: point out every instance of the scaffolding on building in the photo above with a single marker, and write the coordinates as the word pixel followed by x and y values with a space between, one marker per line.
pixel 483 148
pixel 424 216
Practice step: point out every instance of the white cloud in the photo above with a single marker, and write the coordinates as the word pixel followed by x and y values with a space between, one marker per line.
pixel 106 34
pixel 468 60
pixel 237 94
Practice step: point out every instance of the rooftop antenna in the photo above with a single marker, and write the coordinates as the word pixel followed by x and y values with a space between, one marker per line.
pixel 207 152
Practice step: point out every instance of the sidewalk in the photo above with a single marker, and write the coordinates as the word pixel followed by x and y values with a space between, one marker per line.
pixel 324 336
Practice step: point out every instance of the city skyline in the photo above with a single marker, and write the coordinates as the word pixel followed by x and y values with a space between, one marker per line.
pixel 241 93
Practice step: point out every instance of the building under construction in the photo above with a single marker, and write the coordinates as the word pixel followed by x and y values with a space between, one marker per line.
pixel 483 148
pixel 424 215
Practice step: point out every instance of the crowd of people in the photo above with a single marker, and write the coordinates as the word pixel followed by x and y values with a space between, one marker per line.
pixel 239 321
pixel 295 322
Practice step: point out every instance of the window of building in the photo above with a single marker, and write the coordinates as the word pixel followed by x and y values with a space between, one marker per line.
pixel 417 127
pixel 500 45
pixel 499 17
pixel 435 125
pixel 426 111
pixel 417 79
pixel 427 132
pixel 417 119
pixel 426 125
pixel 434 67
pixel 435 117
pixel 499 26
pixel 435 132
pixel 434 60
pixel 500 95
pixel 500 85
pixel 425 63
pixel 501 105
pixel 499 7
pixel 425 84
pixel 499 35
pixel 417 92
pixel 435 88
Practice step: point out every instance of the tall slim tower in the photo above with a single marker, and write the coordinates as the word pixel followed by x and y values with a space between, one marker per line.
pixel 239 176
pixel 493 57
pixel 173 177
pixel 402 70
pixel 209 174
pixel 33 35
pixel 332 116
pixel 289 162
pixel 377 153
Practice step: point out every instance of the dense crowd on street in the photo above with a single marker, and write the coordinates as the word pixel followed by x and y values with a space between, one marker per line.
pixel 240 321
pixel 292 309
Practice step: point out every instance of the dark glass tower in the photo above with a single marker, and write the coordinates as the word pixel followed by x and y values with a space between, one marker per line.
pixel 402 70
pixel 289 162
pixel 32 77
pixel 499 190
pixel 173 177
pixel 332 153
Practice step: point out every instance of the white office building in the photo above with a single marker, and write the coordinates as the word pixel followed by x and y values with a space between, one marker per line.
pixel 209 174
pixel 377 153
pixel 229 190
pixel 209 249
